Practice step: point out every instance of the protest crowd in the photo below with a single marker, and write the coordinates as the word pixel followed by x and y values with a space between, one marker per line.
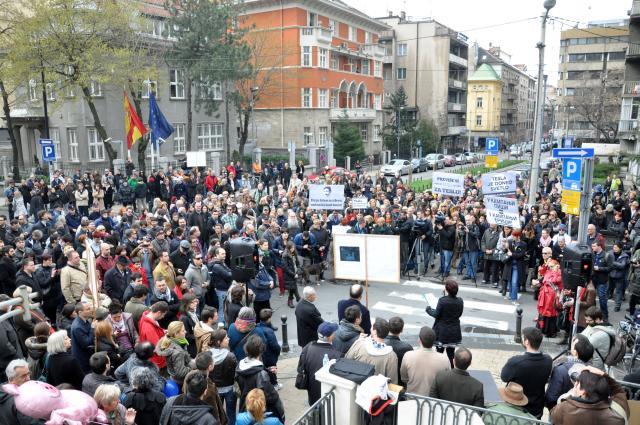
pixel 165 335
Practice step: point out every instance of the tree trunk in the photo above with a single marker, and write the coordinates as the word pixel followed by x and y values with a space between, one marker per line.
pixel 144 141
pixel 102 132
pixel 12 137
pixel 226 114
pixel 245 116
pixel 188 95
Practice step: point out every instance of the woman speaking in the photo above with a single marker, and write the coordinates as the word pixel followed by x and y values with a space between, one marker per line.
pixel 447 314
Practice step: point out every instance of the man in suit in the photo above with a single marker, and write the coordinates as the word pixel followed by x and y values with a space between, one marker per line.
pixel 457 385
pixel 82 337
pixel 308 317
pixel 355 295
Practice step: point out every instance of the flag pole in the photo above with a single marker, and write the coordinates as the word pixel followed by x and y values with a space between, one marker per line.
pixel 151 141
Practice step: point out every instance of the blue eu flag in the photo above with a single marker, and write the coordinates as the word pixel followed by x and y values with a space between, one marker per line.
pixel 158 124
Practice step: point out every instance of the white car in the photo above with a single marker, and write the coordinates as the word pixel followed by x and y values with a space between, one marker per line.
pixel 435 160
pixel 471 157
pixel 396 166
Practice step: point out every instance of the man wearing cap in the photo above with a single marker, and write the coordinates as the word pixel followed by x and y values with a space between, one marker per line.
pixel 312 356
pixel 165 270
pixel 160 243
pixel 117 278
pixel 181 257
pixel 514 402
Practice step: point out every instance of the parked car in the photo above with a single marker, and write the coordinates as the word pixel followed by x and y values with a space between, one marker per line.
pixel 516 150
pixel 461 159
pixel 396 166
pixel 419 165
pixel 471 157
pixel 435 160
pixel 528 147
pixel 449 160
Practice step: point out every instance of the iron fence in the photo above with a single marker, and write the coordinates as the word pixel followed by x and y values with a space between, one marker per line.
pixel 632 390
pixel 322 412
pixel 24 300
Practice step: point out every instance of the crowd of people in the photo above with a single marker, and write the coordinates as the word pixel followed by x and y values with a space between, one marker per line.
pixel 166 335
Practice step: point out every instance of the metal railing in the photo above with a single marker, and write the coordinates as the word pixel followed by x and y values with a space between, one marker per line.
pixel 632 390
pixel 322 412
pixel 24 300
pixel 433 411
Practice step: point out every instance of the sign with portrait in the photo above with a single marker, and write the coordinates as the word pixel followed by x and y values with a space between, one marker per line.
pixel 326 197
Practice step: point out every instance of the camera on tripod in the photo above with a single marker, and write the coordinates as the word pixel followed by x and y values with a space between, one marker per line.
pixel 440 218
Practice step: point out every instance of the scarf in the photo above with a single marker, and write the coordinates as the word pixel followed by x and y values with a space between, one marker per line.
pixel 546 242
pixel 180 341
pixel 166 295
pixel 245 325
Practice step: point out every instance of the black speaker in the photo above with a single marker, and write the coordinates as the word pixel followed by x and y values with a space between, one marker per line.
pixel 576 266
pixel 243 256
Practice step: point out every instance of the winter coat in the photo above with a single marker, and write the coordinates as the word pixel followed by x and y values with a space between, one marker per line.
pixel 197 279
pixel 489 240
pixel 189 326
pixel 178 360
pixel 238 339
pixel 290 269
pixel 221 276
pixel 261 285
pixel 600 337
pixel 150 330
pixel 345 336
pixel 36 356
pixel 559 381
pixel 126 194
pixel 383 359
pixel 365 322
pixel 64 368
pixel 186 410
pixel 202 334
pixel 311 361
pixel 271 354
pixel 72 281
pixel 308 319
pixel 548 294
pixel 576 411
pixel 245 418
pixel 224 369
pixel 141 190
pixel 116 282
pixel 447 323
pixel 123 373
pixel 251 374
pixel 148 405
pixel 619 265
pixel 92 381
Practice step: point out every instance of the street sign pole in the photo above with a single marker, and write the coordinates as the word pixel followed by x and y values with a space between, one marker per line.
pixel 585 201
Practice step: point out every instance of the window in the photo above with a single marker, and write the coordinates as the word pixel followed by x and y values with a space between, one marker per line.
pixel 478 102
pixel 216 90
pixel 96 147
pixel 377 102
pixel 367 37
pixel 179 145
pixel 72 141
pixel 560 58
pixel 570 91
pixel 51 92
pixel 364 130
pixel 595 75
pixel 576 57
pixel 322 57
pixel 575 75
pixel 334 62
pixel 377 69
pixel 478 119
pixel 616 56
pixel 306 98
pixel 401 49
pixel 208 90
pixel 70 91
pixel 312 20
pixel 377 133
pixel 307 136
pixel 95 88
pixel 157 28
pixel 33 90
pixel 148 87
pixel 209 136
pixel 365 66
pixel 54 134
pixel 176 84
pixel 402 73
pixel 322 98
pixel 593 57
pixel 333 24
pixel 334 98
pixel 306 55
pixel 322 136
pixel 352 33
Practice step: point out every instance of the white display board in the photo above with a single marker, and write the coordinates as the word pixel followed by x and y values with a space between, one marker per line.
pixel 502 211
pixel 367 257
pixel 448 184
pixel 339 229
pixel 497 184
pixel 196 159
pixel 359 203
pixel 326 197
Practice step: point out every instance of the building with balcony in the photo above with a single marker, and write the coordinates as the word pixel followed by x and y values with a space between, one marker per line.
pixel 71 125
pixel 325 65
pixel 517 104
pixel 484 104
pixel 430 61
pixel 591 66
pixel 629 126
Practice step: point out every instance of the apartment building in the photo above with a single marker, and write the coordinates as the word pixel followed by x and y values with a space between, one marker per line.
pixel 592 64
pixel 71 125
pixel 430 61
pixel 517 107
pixel 484 104
pixel 325 65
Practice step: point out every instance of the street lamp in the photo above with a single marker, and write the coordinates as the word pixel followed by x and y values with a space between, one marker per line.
pixel 537 133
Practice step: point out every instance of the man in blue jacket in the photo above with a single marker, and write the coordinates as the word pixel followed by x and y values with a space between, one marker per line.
pixel 355 295
pixel 82 336
pixel 271 354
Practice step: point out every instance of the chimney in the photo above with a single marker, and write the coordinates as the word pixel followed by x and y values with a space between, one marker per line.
pixel 403 16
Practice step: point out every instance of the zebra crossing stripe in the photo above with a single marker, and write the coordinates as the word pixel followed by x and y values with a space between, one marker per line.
pixel 468 304
pixel 462 288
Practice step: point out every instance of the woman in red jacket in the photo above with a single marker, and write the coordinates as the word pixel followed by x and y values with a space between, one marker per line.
pixel 547 299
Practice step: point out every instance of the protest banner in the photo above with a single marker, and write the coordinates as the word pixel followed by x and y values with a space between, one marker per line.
pixel 448 184
pixel 499 184
pixel 502 211
pixel 359 203
pixel 326 197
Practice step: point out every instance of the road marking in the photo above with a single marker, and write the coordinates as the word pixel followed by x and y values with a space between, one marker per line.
pixel 438 286
pixel 464 320
pixel 475 305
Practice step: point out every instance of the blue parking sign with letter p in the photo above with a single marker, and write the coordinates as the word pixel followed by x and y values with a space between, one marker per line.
pixel 492 145
pixel 48 152
pixel 572 174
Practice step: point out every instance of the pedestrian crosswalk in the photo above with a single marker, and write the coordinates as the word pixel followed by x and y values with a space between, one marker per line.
pixel 484 308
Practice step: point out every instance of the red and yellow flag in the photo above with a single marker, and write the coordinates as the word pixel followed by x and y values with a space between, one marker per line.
pixel 134 128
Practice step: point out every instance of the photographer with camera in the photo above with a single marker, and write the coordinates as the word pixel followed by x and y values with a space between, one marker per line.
pixel 446 231
pixel 423 230
pixel 404 227
pixel 471 246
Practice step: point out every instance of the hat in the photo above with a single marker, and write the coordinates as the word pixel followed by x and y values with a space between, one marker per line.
pixel 122 260
pixel 326 329
pixel 513 393
pixel 185 244
pixel 563 227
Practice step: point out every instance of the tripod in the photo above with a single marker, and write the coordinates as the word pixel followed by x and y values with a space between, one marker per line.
pixel 416 249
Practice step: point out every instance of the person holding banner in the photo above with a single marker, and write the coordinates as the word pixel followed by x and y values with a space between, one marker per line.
pixel 515 251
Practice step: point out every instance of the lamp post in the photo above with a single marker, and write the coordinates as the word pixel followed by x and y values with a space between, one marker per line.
pixel 537 133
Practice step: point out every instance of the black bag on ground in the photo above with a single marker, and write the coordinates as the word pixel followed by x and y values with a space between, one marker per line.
pixel 352 370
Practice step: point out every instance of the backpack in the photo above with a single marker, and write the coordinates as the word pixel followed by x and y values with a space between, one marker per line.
pixel 617 350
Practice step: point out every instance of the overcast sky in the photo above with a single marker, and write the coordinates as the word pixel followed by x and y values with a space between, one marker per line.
pixel 472 17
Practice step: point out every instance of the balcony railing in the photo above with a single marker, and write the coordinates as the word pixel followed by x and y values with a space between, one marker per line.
pixel 457 60
pixel 626 126
pixel 387 35
pixel 352 113
pixel 456 107
pixel 459 129
pixel 633 51
pixel 635 10
pixel 313 35
pixel 631 88
pixel 375 50
pixel 457 84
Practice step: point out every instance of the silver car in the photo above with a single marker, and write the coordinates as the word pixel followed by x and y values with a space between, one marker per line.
pixel 435 160
pixel 396 167
pixel 461 159
pixel 419 165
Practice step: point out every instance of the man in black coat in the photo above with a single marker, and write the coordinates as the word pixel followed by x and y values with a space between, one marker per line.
pixel 181 257
pixel 456 385
pixel 355 295
pixel 400 347
pixel 531 370
pixel 117 279
pixel 161 292
pixel 447 235
pixel 308 317
pixel 312 355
